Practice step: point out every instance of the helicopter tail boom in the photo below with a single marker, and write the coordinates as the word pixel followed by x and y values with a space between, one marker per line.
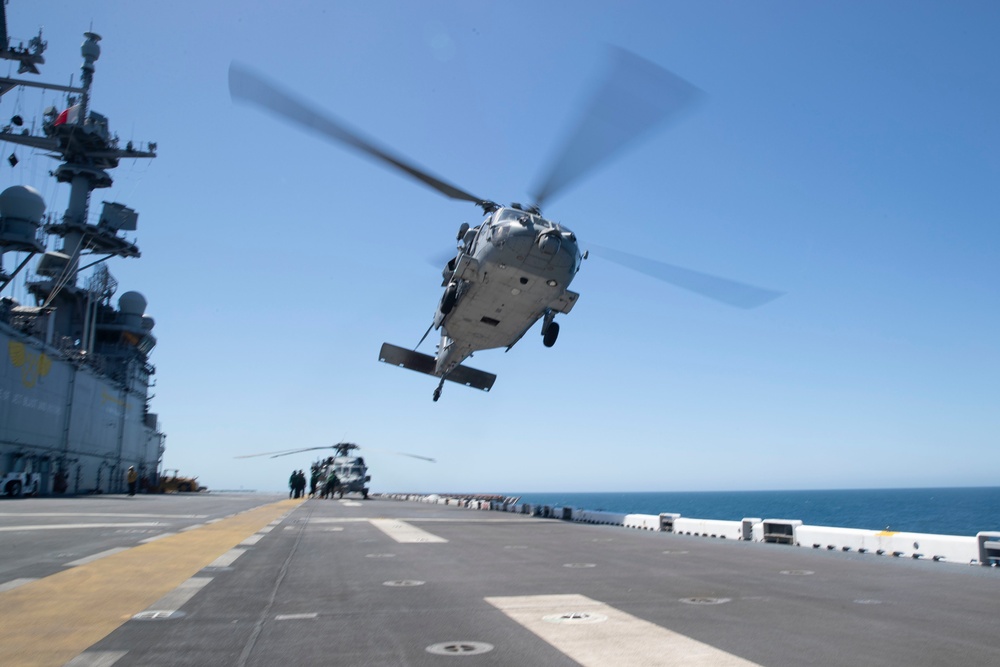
pixel 424 363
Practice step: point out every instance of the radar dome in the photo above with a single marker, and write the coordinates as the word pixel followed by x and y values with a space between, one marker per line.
pixel 90 49
pixel 132 303
pixel 22 202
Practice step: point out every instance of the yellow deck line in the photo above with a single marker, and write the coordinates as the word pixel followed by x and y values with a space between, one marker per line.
pixel 52 620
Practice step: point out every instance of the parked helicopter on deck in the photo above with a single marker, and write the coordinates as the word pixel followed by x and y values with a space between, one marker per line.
pixel 344 472
pixel 515 268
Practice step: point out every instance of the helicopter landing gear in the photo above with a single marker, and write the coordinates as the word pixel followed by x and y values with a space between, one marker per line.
pixel 550 329
pixel 550 335
pixel 437 392
pixel 449 299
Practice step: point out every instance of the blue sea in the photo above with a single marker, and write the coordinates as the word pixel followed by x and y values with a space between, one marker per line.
pixel 951 511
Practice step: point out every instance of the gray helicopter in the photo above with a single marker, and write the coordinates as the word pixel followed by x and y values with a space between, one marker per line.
pixel 515 268
pixel 344 472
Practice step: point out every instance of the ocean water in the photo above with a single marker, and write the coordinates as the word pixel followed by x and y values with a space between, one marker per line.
pixel 950 511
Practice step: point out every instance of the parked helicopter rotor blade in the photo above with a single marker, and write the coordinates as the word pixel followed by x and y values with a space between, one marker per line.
pixel 286 452
pixel 299 451
pixel 635 96
pixel 416 456
pixel 281 452
pixel 727 291
pixel 248 86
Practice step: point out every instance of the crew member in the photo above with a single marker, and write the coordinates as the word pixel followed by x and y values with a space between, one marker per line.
pixel 133 477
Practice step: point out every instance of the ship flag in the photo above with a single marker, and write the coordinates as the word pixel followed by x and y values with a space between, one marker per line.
pixel 69 116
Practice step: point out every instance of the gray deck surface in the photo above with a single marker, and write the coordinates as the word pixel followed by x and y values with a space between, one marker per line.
pixel 327 586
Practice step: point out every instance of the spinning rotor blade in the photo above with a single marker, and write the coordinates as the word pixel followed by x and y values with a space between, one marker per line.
pixel 635 96
pixel 727 291
pixel 248 86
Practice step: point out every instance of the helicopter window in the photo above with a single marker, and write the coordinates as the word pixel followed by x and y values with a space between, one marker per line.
pixel 514 215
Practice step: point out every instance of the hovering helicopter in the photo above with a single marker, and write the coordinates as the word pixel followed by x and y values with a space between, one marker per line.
pixel 350 471
pixel 515 268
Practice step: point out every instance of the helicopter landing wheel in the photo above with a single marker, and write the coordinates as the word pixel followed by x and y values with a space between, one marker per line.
pixel 449 299
pixel 437 392
pixel 550 335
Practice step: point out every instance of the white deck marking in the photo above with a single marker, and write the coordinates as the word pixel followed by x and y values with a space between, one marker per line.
pixel 266 529
pixel 117 514
pixel 294 617
pixel 176 598
pixel 156 537
pixel 252 540
pixel 97 556
pixel 226 559
pixel 77 526
pixel 404 532
pixel 96 659
pixel 14 583
pixel 621 640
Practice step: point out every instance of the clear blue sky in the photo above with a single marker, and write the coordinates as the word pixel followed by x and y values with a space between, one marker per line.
pixel 846 154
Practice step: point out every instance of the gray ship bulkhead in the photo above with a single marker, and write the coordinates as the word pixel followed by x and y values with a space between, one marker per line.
pixel 61 416
pixel 74 370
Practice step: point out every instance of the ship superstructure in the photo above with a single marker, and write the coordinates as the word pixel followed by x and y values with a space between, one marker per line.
pixel 74 367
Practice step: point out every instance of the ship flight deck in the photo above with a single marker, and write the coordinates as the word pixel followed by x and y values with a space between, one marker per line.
pixel 249 579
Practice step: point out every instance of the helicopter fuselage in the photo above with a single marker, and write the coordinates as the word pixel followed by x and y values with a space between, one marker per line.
pixel 511 271
pixel 351 472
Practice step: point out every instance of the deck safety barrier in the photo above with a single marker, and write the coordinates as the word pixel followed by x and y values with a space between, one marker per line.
pixel 989 548
pixel 780 531
pixel 982 549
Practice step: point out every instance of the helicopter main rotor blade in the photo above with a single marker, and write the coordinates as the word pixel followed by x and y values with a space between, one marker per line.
pixel 416 456
pixel 727 291
pixel 282 452
pixel 635 96
pixel 247 86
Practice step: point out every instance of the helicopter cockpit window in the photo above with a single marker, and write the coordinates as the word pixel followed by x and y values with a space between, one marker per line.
pixel 514 215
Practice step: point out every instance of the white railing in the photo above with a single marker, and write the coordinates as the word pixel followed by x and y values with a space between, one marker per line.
pixel 983 549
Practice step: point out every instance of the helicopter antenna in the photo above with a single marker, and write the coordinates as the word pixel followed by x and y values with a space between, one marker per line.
pixel 424 337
